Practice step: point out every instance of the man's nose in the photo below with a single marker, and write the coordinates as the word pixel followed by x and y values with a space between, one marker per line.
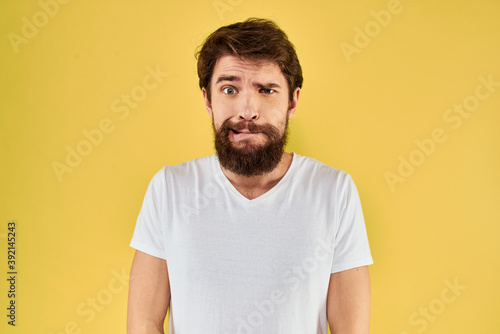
pixel 249 108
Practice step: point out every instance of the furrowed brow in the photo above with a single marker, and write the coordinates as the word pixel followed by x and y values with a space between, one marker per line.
pixel 227 78
pixel 266 85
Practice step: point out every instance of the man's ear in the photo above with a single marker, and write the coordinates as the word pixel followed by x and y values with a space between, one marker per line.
pixel 208 104
pixel 292 106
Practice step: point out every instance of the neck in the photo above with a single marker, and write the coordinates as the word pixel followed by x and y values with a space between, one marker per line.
pixel 254 186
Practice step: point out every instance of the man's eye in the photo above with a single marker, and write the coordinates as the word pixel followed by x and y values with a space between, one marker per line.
pixel 267 90
pixel 229 90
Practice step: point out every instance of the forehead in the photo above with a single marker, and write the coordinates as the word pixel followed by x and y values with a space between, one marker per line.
pixel 248 69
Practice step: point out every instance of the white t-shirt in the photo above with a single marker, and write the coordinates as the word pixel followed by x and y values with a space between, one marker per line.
pixel 259 266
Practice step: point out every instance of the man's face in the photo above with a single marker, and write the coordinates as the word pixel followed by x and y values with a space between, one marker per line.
pixel 250 109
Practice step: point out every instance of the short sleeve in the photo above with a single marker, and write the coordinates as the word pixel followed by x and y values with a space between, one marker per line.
pixel 148 233
pixel 351 241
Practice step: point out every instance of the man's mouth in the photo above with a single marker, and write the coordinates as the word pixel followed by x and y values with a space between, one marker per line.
pixel 242 131
pixel 242 134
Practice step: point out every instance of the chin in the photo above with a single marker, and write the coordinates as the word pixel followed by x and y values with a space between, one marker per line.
pixel 247 147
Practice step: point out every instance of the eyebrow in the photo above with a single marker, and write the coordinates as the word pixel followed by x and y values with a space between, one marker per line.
pixel 237 78
pixel 227 78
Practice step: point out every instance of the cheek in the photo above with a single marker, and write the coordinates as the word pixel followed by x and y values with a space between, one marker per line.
pixel 279 113
pixel 219 106
pixel 279 106
pixel 218 119
pixel 222 112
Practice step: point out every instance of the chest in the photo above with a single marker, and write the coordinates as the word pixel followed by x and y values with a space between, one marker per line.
pixel 251 244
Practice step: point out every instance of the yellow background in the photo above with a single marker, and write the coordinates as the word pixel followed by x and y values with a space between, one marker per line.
pixel 358 113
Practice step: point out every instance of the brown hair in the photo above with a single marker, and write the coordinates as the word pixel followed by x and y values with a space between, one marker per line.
pixel 254 39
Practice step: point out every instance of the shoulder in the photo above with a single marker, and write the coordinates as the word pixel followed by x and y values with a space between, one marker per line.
pixel 194 165
pixel 319 171
pixel 323 178
pixel 187 170
pixel 323 182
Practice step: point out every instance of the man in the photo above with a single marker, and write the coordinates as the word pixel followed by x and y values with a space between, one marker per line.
pixel 252 239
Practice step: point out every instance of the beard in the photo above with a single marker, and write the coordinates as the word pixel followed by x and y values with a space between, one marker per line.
pixel 249 159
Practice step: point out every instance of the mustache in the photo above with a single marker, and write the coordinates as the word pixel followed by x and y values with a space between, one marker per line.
pixel 267 129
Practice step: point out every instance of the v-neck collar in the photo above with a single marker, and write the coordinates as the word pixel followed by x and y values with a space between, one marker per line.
pixel 268 193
